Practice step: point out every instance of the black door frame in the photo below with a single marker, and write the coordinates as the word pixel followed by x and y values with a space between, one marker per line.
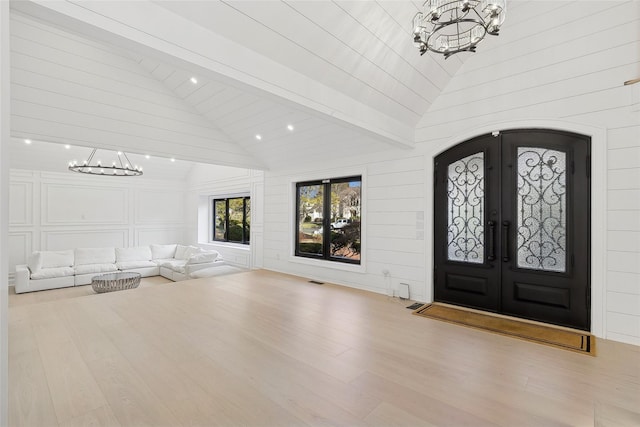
pixel 486 138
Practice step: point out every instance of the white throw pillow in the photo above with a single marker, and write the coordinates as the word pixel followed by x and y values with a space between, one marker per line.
pixel 54 259
pixel 95 256
pixel 184 252
pixel 35 262
pixel 163 251
pixel 139 253
pixel 201 258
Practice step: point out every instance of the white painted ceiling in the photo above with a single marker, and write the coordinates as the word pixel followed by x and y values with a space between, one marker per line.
pixel 70 84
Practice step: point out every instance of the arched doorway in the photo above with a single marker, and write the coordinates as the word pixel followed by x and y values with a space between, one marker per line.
pixel 512 225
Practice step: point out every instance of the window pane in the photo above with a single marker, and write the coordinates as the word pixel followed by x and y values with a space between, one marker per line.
pixel 345 219
pixel 236 215
pixel 542 209
pixel 220 220
pixel 310 232
pixel 465 210
pixel 247 225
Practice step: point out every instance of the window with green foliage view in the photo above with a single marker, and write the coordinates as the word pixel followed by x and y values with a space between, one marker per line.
pixel 232 219
pixel 328 219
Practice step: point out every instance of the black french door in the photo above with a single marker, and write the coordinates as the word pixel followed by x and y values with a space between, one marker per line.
pixel 512 226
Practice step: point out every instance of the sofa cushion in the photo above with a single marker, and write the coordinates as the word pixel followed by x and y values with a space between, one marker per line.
pixel 35 262
pixel 163 251
pixel 50 273
pixel 184 252
pixel 127 265
pixel 175 264
pixel 162 262
pixel 200 258
pixel 95 256
pixel 138 253
pixel 53 259
pixel 95 268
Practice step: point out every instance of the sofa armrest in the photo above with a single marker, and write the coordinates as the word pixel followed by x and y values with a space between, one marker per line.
pixel 22 279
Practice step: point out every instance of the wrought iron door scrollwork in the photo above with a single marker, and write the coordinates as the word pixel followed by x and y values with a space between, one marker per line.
pixel 541 224
pixel 465 195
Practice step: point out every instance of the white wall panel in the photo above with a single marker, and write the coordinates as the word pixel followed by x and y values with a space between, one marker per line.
pixel 20 245
pixel 78 204
pixel 621 179
pixel 624 220
pixel 67 239
pixel 160 236
pixel 159 206
pixel 624 327
pixel 623 282
pixel 73 210
pixel 623 158
pixel 624 200
pixel 21 207
pixel 624 137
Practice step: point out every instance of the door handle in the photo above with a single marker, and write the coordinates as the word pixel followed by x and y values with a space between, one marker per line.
pixel 492 238
pixel 505 241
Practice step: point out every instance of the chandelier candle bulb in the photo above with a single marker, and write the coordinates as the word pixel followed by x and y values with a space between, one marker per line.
pixel 117 168
pixel 452 26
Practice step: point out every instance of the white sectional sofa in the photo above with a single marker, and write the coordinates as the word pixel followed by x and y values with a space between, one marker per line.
pixel 76 267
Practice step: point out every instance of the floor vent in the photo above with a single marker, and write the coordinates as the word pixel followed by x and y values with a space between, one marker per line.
pixel 315 282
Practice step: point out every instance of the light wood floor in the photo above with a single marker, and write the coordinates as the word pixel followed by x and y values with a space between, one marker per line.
pixel 267 349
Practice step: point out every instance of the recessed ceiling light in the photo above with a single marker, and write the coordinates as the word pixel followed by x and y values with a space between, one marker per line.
pixel 194 80
pixel 119 153
pixel 258 137
pixel 146 156
pixel 290 127
pixel 173 160
pixel 67 146
pixel 27 141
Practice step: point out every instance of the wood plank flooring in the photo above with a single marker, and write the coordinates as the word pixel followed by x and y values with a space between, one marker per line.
pixel 266 349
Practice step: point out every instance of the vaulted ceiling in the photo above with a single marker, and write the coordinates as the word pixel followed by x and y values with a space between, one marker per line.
pixel 116 74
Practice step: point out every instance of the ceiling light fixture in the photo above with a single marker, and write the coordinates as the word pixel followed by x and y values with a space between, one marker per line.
pixel 146 156
pixel 67 146
pixel 290 127
pixel 117 168
pixel 27 141
pixel 194 80
pixel 173 160
pixel 259 137
pixel 452 26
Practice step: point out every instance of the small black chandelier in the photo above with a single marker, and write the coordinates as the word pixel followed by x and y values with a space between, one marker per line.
pixel 452 26
pixel 120 167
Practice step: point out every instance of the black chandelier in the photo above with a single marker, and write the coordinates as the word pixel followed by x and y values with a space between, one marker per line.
pixel 120 167
pixel 452 26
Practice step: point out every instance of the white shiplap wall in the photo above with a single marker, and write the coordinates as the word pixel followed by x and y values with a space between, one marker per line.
pixel 51 211
pixel 572 72
pixel 569 75
pixel 393 227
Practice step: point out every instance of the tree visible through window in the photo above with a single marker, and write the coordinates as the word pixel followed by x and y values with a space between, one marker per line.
pixel 328 219
pixel 232 219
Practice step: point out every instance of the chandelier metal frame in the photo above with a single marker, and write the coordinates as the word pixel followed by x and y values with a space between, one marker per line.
pixel 452 26
pixel 117 168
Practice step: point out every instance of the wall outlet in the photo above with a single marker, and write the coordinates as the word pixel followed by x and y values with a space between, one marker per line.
pixel 403 290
